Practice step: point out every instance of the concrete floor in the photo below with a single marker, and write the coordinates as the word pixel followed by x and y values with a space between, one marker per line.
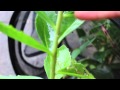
pixel 5 63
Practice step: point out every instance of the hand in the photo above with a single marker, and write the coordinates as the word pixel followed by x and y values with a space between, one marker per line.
pixel 96 15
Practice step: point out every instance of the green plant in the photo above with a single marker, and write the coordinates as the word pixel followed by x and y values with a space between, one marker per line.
pixel 105 61
pixel 52 28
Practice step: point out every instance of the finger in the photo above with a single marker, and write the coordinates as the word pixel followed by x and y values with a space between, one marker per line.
pixel 96 15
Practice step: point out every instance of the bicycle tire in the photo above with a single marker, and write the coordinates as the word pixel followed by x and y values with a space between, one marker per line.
pixel 30 70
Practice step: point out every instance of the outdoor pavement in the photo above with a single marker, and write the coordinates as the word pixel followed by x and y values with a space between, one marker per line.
pixel 5 63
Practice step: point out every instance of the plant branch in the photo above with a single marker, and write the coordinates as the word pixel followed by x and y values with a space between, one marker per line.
pixel 55 44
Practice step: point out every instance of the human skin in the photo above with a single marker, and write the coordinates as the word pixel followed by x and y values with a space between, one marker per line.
pixel 96 15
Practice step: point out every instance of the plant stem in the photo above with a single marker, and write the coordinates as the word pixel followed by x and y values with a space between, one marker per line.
pixel 55 44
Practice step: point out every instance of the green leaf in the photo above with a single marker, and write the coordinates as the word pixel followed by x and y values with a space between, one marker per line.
pixel 63 60
pixel 42 29
pixel 52 15
pixel 49 16
pixel 19 77
pixel 77 70
pixel 68 26
pixel 22 37
pixel 76 52
pixel 100 56
pixel 68 14
pixel 47 65
pixel 89 62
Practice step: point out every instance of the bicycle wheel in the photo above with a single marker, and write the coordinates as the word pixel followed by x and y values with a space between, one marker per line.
pixel 25 60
